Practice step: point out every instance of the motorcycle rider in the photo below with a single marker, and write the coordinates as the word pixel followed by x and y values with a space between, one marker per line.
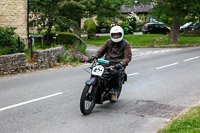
pixel 118 52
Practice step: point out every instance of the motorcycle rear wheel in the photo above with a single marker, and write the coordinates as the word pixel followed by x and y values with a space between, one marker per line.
pixel 87 101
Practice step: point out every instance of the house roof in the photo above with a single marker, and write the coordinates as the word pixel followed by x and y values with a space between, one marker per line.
pixel 139 9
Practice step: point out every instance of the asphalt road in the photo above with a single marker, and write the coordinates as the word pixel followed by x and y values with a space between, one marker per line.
pixel 161 84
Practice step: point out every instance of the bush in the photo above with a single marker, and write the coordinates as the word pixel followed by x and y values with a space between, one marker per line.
pixel 123 24
pixel 74 55
pixel 90 27
pixel 104 23
pixel 122 17
pixel 66 38
pixel 8 41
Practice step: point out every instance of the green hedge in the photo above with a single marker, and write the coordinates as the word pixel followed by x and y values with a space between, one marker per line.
pixel 90 27
pixel 8 41
pixel 123 24
pixel 66 38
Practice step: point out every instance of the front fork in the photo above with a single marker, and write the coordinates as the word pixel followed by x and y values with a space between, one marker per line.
pixel 93 81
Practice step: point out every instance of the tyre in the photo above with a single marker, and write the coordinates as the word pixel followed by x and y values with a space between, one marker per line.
pixel 167 32
pixel 87 101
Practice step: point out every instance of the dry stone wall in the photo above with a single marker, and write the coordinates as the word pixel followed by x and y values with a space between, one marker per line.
pixel 17 63
pixel 46 58
pixel 12 64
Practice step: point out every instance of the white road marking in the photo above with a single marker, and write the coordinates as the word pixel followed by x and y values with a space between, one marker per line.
pixel 167 65
pixel 133 74
pixel 137 54
pixel 192 58
pixel 91 49
pixel 31 101
pixel 133 50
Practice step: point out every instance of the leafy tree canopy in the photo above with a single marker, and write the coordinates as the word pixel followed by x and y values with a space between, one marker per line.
pixel 108 8
pixel 76 9
pixel 66 14
pixel 45 13
pixel 177 10
pixel 170 8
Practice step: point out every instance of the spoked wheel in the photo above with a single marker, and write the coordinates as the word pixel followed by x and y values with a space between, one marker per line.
pixel 87 101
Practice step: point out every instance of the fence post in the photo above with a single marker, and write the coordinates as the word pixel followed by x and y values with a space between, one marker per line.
pixel 19 44
pixel 30 41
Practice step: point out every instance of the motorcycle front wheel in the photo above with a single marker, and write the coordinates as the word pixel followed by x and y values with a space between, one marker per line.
pixel 87 101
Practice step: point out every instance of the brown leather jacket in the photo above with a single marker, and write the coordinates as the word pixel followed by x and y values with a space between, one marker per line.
pixel 113 53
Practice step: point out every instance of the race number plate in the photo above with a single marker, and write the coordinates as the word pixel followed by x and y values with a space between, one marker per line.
pixel 98 70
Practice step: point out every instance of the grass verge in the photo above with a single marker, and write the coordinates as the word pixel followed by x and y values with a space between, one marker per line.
pixel 183 42
pixel 151 40
pixel 134 40
pixel 186 123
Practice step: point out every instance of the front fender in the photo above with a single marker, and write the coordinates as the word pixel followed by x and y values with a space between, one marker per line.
pixel 91 81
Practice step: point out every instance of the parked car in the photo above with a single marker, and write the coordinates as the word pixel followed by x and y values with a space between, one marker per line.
pixel 154 28
pixel 189 26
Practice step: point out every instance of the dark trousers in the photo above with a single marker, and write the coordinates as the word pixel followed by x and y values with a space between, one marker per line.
pixel 116 79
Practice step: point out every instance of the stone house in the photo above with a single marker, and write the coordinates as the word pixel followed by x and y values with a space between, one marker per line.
pixel 13 13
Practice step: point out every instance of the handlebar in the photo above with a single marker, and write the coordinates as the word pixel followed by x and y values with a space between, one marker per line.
pixel 95 60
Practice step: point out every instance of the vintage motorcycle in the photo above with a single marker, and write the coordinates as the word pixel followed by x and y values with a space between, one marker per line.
pixel 98 88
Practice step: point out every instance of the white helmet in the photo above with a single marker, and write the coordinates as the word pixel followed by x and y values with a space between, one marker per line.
pixel 116 29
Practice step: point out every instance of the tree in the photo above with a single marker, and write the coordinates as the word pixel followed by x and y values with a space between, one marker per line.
pixel 75 10
pixel 45 13
pixel 107 10
pixel 67 14
pixel 177 10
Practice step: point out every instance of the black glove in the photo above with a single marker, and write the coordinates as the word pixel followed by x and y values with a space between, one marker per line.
pixel 91 59
pixel 118 66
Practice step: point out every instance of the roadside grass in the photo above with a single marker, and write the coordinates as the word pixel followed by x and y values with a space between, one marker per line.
pixel 151 40
pixel 99 41
pixel 134 40
pixel 145 40
pixel 189 122
pixel 183 41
